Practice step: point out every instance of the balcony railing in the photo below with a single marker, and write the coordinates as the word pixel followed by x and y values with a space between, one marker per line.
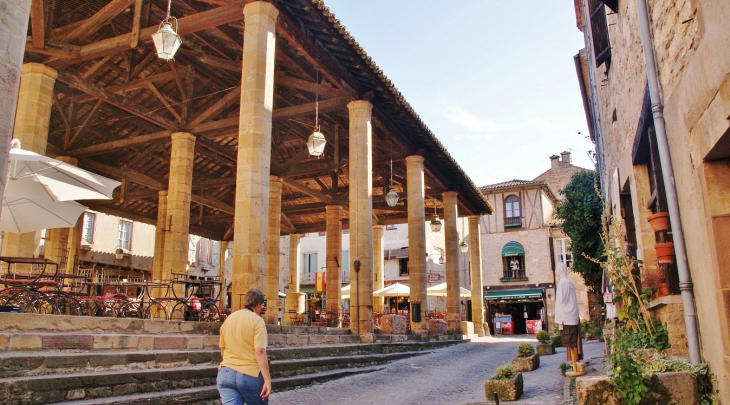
pixel 514 275
pixel 310 278
pixel 513 222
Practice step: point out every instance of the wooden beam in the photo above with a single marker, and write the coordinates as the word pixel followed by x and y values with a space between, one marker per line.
pixel 325 106
pixel 55 49
pixel 141 83
pixel 38 24
pixel 130 174
pixel 164 101
pixel 96 67
pixel 136 21
pixel 219 149
pixel 282 79
pixel 212 202
pixel 88 118
pixel 98 20
pixel 120 144
pixel 203 184
pixel 310 192
pixel 115 100
pixel 231 65
pixel 216 125
pixel 225 101
pixel 233 11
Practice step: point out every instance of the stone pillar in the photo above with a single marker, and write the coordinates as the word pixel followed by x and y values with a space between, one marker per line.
pixel 378 266
pixel 361 219
pixel 14 20
pixel 272 252
pixel 222 255
pixel 334 258
pixel 477 290
pixel 254 148
pixel 451 248
pixel 294 299
pixel 179 190
pixel 32 118
pixel 161 230
pixel 417 239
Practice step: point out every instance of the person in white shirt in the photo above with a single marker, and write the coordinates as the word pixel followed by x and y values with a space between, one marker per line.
pixel 566 316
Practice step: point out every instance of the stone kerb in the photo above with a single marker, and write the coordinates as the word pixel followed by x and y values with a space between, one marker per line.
pixel 436 327
pixel 677 388
pixel 393 325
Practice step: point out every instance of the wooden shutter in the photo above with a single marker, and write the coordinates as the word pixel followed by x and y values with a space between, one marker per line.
pixel 599 32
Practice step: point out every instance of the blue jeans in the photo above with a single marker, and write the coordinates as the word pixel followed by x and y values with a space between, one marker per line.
pixel 237 389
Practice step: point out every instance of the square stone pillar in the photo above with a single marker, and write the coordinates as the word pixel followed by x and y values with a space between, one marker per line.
pixel 417 239
pixel 179 190
pixel 272 252
pixel 32 117
pixel 334 258
pixel 161 230
pixel 254 148
pixel 477 289
pixel 361 218
pixel 378 266
pixel 294 299
pixel 451 249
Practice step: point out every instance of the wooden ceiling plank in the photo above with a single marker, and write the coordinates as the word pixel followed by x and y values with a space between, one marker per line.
pixel 120 144
pixel 38 24
pixel 309 108
pixel 213 183
pixel 212 202
pixel 164 101
pixel 98 20
pixel 113 99
pixel 224 102
pixel 310 192
pixel 221 150
pixel 136 21
pixel 96 67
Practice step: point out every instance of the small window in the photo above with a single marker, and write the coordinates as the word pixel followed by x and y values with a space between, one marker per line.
pixel 390 227
pixel 310 263
pixel 124 235
pixel 562 251
pixel 87 234
pixel 599 32
pixel 403 267
pixel 512 217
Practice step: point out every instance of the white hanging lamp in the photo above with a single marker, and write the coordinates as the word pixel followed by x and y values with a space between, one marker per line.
pixel 464 246
pixel 436 223
pixel 316 142
pixel 166 39
pixel 391 198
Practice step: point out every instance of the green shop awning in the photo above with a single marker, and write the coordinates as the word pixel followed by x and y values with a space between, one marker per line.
pixel 513 249
pixel 532 294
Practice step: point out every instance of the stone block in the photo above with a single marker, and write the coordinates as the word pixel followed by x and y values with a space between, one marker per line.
pixel 467 328
pixel 393 325
pixel 545 349
pixel 507 390
pixel 170 342
pixel 437 326
pixel 125 342
pixel 75 394
pixel 195 342
pixel 102 342
pixel 211 342
pixel 277 340
pixel 317 339
pixel 74 342
pixel 25 342
pixel 664 388
pixel 526 363
pixel 124 389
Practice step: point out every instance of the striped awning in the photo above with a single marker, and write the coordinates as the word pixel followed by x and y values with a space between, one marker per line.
pixel 514 295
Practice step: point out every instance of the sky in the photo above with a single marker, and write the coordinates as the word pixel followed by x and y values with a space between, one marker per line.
pixel 494 80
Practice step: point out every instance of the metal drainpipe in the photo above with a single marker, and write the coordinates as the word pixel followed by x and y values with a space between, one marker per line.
pixel 685 281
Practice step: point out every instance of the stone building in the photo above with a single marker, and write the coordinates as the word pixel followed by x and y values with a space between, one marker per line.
pixel 521 244
pixel 656 88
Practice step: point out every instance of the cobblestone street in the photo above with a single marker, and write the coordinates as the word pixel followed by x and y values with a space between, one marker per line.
pixel 453 375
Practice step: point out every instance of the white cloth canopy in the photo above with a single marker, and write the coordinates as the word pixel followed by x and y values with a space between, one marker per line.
pixel 20 215
pixel 393 290
pixel 439 290
pixel 39 177
pixel 345 292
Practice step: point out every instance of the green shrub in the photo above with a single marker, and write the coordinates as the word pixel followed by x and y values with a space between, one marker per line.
pixel 557 341
pixel 543 337
pixel 505 372
pixel 564 367
pixel 525 350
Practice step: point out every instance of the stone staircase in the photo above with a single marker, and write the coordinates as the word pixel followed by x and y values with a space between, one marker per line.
pixel 83 360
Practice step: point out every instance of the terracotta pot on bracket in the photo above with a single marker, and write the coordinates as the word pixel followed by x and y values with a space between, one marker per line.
pixel 664 252
pixel 662 290
pixel 659 221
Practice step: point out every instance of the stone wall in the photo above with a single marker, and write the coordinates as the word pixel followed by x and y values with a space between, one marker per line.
pixel 537 256
pixel 669 311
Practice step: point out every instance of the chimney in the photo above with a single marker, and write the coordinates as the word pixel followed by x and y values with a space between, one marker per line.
pixel 554 160
pixel 566 156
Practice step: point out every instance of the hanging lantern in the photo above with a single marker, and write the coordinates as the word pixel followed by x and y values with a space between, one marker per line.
pixel 436 224
pixel 441 259
pixel 391 198
pixel 464 246
pixel 166 39
pixel 316 144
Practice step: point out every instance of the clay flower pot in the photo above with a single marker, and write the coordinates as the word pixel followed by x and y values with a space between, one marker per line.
pixel 664 252
pixel 659 221
pixel 662 290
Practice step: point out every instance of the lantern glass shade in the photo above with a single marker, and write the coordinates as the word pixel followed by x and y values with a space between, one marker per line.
pixel 316 144
pixel 441 259
pixel 166 41
pixel 391 198
pixel 436 225
pixel 464 246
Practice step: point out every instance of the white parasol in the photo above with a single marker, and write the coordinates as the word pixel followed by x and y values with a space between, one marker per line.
pixel 439 290
pixel 20 215
pixel 39 177
pixel 345 292
pixel 393 290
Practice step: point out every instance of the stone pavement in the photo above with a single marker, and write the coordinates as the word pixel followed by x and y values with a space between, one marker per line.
pixel 453 375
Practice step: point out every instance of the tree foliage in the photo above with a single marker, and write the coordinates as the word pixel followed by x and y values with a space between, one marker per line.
pixel 581 212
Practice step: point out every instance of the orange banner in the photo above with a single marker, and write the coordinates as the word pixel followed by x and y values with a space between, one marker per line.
pixel 320 281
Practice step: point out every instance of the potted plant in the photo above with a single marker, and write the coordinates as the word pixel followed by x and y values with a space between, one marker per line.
pixel 507 383
pixel 119 253
pixel 659 221
pixel 664 252
pixel 527 359
pixel 545 347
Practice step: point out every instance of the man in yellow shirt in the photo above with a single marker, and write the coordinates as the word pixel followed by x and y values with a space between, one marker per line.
pixel 243 375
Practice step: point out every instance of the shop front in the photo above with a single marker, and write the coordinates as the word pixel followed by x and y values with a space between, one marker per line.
pixel 516 311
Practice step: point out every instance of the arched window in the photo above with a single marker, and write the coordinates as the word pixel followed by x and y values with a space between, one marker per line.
pixel 512 217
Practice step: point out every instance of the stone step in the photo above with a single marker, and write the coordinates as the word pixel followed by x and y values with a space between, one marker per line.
pixel 316 365
pixel 208 395
pixel 89 341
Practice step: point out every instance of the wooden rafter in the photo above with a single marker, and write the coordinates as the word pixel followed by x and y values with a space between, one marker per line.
pixel 98 20
pixel 38 24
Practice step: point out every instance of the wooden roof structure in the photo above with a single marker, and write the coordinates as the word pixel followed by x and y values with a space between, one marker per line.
pixel 115 105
